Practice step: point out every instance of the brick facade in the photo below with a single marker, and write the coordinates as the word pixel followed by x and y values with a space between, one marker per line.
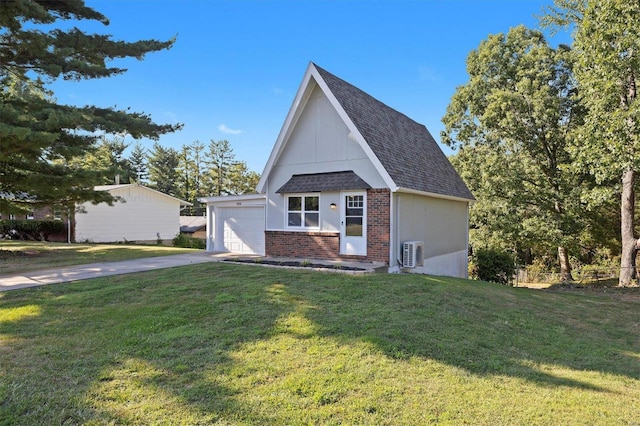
pixel 43 213
pixel 311 245
pixel 378 224
pixel 326 245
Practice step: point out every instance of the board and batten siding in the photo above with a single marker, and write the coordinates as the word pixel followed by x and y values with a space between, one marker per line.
pixel 144 215
pixel 319 143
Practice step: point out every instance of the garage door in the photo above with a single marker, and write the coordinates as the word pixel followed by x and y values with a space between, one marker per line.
pixel 243 229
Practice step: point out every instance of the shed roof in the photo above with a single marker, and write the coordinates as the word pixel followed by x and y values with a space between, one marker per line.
pixel 332 181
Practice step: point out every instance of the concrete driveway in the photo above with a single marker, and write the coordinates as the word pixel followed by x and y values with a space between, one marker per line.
pixel 96 270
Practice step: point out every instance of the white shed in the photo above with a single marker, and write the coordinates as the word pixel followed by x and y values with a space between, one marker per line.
pixel 143 215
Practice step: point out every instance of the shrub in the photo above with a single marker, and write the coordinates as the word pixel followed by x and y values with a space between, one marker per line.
pixel 493 265
pixel 31 229
pixel 185 241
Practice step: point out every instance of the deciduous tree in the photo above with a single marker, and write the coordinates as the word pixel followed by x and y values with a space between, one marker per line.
pixel 519 104
pixel 607 47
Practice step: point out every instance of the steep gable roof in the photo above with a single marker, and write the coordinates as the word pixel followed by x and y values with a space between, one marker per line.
pixel 404 151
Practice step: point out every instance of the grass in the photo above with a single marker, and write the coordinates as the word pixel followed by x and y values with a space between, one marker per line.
pixel 21 256
pixel 245 345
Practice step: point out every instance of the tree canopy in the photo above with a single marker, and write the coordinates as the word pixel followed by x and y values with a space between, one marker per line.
pixel 607 42
pixel 550 136
pixel 513 120
pixel 40 138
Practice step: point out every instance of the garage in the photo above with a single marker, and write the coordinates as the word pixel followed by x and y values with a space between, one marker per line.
pixel 242 229
pixel 236 224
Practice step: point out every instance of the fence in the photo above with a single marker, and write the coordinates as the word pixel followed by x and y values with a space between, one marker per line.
pixel 584 275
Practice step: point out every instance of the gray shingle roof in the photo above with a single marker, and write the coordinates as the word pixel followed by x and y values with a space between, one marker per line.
pixel 405 148
pixel 315 182
pixel 192 223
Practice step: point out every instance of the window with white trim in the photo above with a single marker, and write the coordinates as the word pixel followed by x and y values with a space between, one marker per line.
pixel 30 215
pixel 303 211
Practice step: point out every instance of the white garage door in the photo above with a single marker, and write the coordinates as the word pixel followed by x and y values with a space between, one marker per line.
pixel 243 229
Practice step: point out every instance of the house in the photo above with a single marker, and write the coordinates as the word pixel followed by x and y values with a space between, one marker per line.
pixel 350 178
pixel 40 212
pixel 143 215
pixel 194 226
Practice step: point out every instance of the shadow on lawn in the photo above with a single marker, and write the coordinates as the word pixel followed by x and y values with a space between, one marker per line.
pixel 175 339
pixel 96 349
pixel 485 329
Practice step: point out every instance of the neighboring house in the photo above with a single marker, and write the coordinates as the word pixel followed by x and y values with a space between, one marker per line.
pixel 350 178
pixel 143 215
pixel 194 226
pixel 46 213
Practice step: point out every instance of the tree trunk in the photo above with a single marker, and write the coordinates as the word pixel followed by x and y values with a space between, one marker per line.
pixel 565 265
pixel 629 241
pixel 563 253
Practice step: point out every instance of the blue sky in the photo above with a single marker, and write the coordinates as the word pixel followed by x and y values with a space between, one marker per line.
pixel 237 64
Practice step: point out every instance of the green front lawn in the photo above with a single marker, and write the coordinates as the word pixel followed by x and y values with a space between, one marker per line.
pixel 22 256
pixel 246 345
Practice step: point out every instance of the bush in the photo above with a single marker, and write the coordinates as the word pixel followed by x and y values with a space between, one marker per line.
pixel 185 241
pixel 39 230
pixel 493 265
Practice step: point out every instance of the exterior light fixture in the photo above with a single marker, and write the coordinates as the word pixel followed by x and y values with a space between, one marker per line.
pixel 333 206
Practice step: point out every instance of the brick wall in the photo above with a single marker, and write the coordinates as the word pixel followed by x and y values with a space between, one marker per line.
pixel 378 224
pixel 45 213
pixel 312 245
pixel 326 245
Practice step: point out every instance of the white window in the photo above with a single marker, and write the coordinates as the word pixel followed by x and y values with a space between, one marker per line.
pixel 30 215
pixel 57 213
pixel 303 211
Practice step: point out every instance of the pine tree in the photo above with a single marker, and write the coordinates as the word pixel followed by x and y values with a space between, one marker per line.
pixel 220 159
pixel 107 160
pixel 241 179
pixel 40 138
pixel 163 164
pixel 138 162
pixel 185 184
pixel 191 168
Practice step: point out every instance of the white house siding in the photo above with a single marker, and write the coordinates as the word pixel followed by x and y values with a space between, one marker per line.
pixel 442 225
pixel 319 143
pixel 144 215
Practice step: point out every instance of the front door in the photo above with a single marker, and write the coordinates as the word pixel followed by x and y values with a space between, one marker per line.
pixel 353 223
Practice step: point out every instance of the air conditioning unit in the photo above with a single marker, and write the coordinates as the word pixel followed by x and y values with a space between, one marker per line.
pixel 412 254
